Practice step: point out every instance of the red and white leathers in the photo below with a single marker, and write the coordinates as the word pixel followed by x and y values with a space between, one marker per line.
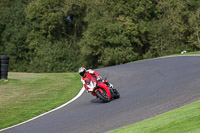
pixel 89 74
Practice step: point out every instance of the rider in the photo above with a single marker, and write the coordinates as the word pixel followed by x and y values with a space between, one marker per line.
pixel 88 74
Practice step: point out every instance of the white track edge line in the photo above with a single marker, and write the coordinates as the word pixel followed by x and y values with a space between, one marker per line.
pixel 76 97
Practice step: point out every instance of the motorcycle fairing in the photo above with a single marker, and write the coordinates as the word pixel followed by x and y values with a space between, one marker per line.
pixel 102 85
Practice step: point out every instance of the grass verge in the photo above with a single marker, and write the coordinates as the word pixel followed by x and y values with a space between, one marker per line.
pixel 182 120
pixel 189 53
pixel 26 95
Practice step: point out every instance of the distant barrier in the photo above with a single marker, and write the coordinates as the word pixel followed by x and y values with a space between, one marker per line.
pixel 4 62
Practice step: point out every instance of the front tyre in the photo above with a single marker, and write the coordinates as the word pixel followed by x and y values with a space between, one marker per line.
pixel 103 96
pixel 116 94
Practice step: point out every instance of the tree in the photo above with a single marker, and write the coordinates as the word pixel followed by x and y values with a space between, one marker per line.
pixel 61 35
pixel 194 25
pixel 136 16
pixel 169 30
pixel 13 34
pixel 105 41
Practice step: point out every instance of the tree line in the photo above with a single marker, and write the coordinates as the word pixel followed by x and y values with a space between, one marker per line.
pixel 62 35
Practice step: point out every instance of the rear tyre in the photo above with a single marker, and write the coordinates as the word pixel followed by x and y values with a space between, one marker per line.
pixel 4 57
pixel 103 96
pixel 4 61
pixel 4 67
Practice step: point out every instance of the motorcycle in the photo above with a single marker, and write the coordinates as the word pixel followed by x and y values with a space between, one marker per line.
pixel 102 88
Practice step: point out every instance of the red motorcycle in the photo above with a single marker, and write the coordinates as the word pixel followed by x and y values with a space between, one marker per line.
pixel 102 88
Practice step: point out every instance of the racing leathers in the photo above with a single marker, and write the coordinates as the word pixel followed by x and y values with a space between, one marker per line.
pixel 89 74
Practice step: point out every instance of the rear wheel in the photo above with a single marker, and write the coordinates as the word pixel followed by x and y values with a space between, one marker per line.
pixel 103 96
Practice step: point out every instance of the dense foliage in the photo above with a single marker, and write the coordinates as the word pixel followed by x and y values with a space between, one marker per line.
pixel 62 35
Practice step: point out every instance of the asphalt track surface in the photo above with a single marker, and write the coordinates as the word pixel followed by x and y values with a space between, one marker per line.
pixel 147 88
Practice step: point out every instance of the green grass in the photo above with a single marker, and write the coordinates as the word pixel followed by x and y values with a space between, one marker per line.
pixel 179 54
pixel 182 120
pixel 188 53
pixel 197 52
pixel 26 95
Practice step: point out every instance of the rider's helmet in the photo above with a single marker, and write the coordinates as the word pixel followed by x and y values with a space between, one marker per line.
pixel 82 71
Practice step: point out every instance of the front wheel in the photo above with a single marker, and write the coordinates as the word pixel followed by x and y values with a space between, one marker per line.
pixel 103 96
pixel 116 94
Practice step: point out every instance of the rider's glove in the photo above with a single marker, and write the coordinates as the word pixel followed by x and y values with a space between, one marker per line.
pixel 99 78
pixel 111 86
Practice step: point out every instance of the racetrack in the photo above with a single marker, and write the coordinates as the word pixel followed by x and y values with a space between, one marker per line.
pixel 147 88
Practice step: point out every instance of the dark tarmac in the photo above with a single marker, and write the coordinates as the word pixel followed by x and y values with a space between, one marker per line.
pixel 147 88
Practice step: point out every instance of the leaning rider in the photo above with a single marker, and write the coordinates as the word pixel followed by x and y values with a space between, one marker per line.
pixel 89 74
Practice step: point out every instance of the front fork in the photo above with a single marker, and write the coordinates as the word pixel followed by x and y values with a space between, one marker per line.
pixel 111 92
pixel 110 86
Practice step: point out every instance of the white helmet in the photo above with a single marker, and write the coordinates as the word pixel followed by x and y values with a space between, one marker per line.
pixel 82 71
